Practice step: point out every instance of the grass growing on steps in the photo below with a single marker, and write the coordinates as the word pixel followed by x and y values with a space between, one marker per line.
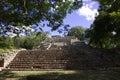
pixel 2 51
pixel 5 50
pixel 62 75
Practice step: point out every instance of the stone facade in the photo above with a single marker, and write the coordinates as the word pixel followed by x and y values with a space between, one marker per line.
pixel 63 41
pixel 6 58
pixel 57 41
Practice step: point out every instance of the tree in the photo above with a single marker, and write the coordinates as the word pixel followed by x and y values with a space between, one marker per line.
pixel 6 42
pixel 106 27
pixel 39 37
pixel 77 31
pixel 30 41
pixel 29 12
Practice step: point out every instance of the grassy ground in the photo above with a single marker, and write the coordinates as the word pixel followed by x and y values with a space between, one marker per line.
pixel 5 50
pixel 62 75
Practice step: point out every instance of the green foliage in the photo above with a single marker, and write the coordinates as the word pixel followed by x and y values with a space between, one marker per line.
pixel 6 42
pixel 105 31
pixel 77 31
pixel 5 50
pixel 24 12
pixel 28 42
pixel 19 41
pixel 40 36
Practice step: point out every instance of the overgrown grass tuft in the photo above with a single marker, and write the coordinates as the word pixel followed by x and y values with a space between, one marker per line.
pixel 5 50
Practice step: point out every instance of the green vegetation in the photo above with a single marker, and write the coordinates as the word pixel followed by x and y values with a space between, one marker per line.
pixel 62 75
pixel 4 50
pixel 21 13
pixel 18 13
pixel 6 42
pixel 77 31
pixel 27 42
pixel 105 31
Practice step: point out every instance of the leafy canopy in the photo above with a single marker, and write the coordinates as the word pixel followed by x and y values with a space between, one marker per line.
pixel 29 12
pixel 77 31
pixel 105 31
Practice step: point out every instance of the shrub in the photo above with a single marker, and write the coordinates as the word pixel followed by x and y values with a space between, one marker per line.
pixel 6 42
pixel 28 43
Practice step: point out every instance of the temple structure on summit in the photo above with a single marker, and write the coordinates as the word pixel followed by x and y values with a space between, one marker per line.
pixel 57 41
pixel 62 41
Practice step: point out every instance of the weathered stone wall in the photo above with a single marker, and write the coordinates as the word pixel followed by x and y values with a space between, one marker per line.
pixel 6 58
pixel 64 40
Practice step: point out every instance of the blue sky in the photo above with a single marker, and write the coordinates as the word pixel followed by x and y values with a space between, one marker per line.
pixel 84 16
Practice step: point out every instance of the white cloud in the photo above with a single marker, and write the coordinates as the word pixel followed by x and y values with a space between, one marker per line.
pixel 88 11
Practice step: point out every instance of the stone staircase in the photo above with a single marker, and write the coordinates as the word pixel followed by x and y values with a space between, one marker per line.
pixel 78 56
pixel 39 60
